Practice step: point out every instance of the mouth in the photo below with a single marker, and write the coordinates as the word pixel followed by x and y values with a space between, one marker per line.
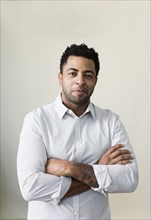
pixel 79 92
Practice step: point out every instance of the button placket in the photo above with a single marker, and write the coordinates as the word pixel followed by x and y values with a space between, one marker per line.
pixel 76 207
pixel 78 141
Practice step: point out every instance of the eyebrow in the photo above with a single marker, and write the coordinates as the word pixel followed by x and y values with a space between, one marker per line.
pixel 86 71
pixel 72 69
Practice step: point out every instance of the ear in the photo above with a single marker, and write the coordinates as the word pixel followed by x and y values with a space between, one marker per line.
pixel 60 77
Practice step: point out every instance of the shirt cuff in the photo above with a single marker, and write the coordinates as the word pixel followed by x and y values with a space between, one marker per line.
pixel 103 178
pixel 63 188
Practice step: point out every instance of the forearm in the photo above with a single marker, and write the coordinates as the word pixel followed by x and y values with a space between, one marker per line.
pixel 42 187
pixel 117 171
pixel 76 188
pixel 116 178
pixel 34 183
pixel 81 172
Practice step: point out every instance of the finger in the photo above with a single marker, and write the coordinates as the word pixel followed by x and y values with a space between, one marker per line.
pixel 119 152
pixel 114 148
pixel 124 162
pixel 122 158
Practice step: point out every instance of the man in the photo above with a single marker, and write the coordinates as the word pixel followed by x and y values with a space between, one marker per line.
pixel 71 152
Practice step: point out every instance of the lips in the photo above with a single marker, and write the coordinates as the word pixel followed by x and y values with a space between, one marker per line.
pixel 79 92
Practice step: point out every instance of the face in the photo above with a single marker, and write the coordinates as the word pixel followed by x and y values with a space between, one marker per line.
pixel 77 80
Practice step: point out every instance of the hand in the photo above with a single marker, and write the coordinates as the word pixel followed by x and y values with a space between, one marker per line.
pixel 57 167
pixel 116 155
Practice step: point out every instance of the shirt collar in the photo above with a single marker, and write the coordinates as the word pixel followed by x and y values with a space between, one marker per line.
pixel 91 109
pixel 62 109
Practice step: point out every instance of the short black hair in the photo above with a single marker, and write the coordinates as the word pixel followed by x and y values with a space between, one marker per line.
pixel 80 50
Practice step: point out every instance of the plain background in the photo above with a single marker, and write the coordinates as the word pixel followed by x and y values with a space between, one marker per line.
pixel 33 36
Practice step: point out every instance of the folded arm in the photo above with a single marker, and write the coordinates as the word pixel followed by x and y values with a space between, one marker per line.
pixel 84 173
pixel 117 177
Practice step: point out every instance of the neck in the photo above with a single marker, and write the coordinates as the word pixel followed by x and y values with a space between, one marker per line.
pixel 79 110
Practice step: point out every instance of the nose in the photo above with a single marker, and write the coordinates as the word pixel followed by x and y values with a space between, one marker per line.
pixel 80 80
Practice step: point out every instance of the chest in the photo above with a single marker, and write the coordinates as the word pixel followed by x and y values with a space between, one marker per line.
pixel 81 140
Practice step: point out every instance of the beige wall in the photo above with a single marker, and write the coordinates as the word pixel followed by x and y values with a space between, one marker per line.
pixel 34 34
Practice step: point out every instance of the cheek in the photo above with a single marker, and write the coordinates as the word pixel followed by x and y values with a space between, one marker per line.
pixel 91 86
pixel 67 84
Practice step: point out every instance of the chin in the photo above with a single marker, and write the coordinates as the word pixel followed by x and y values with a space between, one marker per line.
pixel 80 101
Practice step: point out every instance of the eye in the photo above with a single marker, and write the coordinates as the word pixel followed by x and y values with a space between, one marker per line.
pixel 89 75
pixel 72 73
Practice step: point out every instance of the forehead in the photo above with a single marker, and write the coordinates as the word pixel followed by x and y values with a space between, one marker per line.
pixel 80 63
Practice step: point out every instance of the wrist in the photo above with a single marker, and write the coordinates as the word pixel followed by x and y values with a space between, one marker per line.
pixel 69 168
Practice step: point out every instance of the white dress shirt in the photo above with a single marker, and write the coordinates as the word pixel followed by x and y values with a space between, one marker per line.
pixel 53 131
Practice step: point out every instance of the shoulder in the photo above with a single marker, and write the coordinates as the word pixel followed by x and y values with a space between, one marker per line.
pixel 108 118
pixel 105 113
pixel 38 113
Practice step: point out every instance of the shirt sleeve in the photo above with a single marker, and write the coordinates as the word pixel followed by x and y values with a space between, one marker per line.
pixel 117 178
pixel 34 183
